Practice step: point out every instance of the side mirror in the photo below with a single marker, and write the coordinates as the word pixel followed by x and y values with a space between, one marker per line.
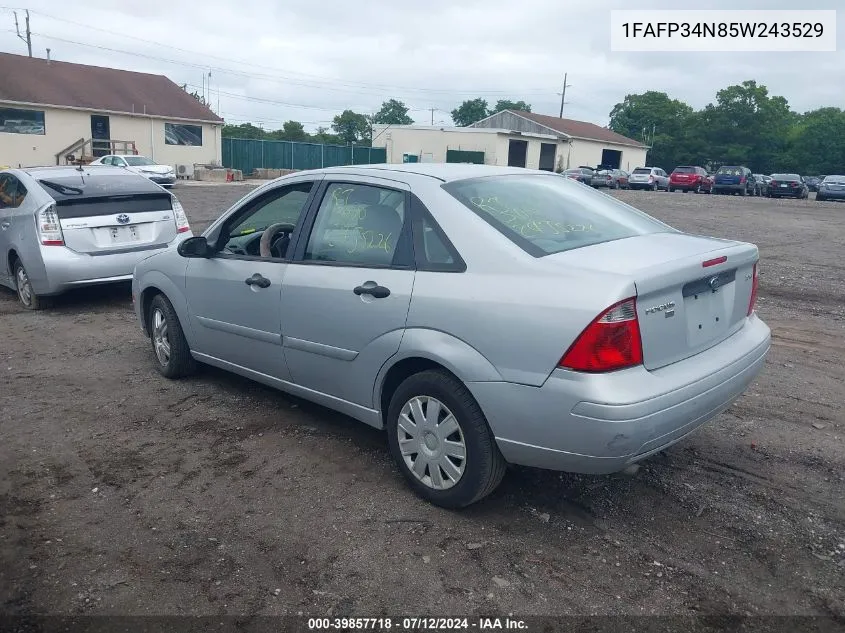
pixel 194 247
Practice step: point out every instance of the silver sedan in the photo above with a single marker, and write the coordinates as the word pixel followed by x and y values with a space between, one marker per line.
pixel 480 315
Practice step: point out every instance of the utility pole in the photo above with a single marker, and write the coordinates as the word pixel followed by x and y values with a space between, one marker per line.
pixel 563 94
pixel 28 38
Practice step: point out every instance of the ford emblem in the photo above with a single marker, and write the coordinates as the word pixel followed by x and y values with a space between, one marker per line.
pixel 123 219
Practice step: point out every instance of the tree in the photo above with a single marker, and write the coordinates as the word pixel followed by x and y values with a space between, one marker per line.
pixel 291 131
pixel 748 127
pixel 393 112
pixel 469 112
pixel 816 146
pixel 352 127
pixel 657 120
pixel 507 104
pixel 244 130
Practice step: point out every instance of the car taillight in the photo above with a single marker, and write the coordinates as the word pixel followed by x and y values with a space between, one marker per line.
pixel 793 184
pixel 49 227
pixel 742 180
pixel 651 178
pixel 754 285
pixel 610 342
pixel 179 216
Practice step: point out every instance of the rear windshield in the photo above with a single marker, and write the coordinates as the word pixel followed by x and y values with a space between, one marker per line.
pixel 93 183
pixel 545 215
pixel 684 170
pixel 786 177
pixel 730 171
pixel 839 180
pixel 642 170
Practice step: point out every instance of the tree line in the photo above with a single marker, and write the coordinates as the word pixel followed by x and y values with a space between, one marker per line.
pixel 354 127
pixel 745 126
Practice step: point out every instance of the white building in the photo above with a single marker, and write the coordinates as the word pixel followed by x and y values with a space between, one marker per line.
pixel 51 109
pixel 514 138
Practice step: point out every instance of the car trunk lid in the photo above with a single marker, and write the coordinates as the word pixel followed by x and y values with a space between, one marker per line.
pixel 111 212
pixel 692 292
pixel 112 224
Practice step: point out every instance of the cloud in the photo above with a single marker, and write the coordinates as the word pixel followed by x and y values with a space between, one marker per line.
pixel 308 60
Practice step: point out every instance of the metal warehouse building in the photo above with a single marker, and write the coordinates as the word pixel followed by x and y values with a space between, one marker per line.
pixel 513 138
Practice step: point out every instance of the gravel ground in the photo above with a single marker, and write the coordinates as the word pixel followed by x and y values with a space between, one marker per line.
pixel 125 493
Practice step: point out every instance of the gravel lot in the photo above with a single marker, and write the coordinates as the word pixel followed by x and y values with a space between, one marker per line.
pixel 124 493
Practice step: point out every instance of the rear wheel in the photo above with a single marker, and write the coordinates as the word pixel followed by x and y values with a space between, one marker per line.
pixel 698 188
pixel 441 442
pixel 26 295
pixel 169 344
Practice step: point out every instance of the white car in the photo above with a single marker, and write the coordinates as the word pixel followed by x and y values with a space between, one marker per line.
pixel 652 178
pixel 161 174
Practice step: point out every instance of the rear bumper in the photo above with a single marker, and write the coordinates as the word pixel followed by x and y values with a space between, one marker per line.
pixel 65 269
pixel 600 423
pixel 731 187
pixel 688 186
pixel 640 185
pixel 792 193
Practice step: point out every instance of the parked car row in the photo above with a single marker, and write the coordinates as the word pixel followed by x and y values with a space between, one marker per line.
pixel 605 298
pixel 610 178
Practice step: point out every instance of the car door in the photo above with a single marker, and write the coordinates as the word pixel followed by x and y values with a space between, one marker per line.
pixel 7 207
pixel 346 295
pixel 234 296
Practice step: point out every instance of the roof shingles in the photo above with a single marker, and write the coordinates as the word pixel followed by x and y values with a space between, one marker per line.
pixel 35 80
pixel 578 129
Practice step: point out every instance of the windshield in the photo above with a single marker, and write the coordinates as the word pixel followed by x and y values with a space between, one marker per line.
pixel 544 215
pixel 730 171
pixel 138 161
pixel 684 170
pixel 839 180
pixel 642 170
pixel 786 177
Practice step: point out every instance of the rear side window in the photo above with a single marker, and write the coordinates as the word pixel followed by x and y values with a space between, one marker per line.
pixel 357 224
pixel 545 215
pixel 12 192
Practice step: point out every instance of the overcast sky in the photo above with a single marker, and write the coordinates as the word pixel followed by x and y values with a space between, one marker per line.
pixel 308 60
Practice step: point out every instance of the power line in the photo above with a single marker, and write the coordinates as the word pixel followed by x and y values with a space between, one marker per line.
pixel 315 81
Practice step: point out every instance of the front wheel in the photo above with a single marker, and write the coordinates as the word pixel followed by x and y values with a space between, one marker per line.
pixel 168 341
pixel 441 442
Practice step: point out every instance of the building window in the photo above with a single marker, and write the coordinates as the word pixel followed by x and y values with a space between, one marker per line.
pixel 14 121
pixel 180 134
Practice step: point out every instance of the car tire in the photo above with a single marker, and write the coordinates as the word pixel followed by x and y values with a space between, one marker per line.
pixel 482 468
pixel 170 347
pixel 26 295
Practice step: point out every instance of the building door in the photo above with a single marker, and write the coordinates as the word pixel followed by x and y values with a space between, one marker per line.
pixel 611 159
pixel 547 156
pixel 517 152
pixel 100 131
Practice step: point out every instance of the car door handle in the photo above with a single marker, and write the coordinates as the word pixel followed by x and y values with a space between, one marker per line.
pixel 379 292
pixel 257 280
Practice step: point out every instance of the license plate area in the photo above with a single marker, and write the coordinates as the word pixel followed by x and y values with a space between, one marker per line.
pixel 123 234
pixel 708 304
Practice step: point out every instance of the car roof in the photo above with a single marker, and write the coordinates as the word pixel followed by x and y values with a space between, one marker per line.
pixel 445 172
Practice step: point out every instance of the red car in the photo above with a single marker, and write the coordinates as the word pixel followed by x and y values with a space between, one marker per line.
pixel 690 179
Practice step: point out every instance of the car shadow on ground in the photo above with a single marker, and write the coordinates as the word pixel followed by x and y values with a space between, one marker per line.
pixel 100 297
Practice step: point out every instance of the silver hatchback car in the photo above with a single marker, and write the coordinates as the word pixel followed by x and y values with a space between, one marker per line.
pixel 481 315
pixel 65 227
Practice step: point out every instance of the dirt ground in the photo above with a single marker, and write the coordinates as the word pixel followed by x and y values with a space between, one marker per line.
pixel 124 493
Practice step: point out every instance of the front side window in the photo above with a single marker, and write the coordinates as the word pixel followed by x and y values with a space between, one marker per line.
pixel 357 224
pixel 277 212
pixel 12 192
pixel 546 215
pixel 182 134
pixel 15 121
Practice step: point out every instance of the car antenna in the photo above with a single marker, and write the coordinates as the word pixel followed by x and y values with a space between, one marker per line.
pixel 81 171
